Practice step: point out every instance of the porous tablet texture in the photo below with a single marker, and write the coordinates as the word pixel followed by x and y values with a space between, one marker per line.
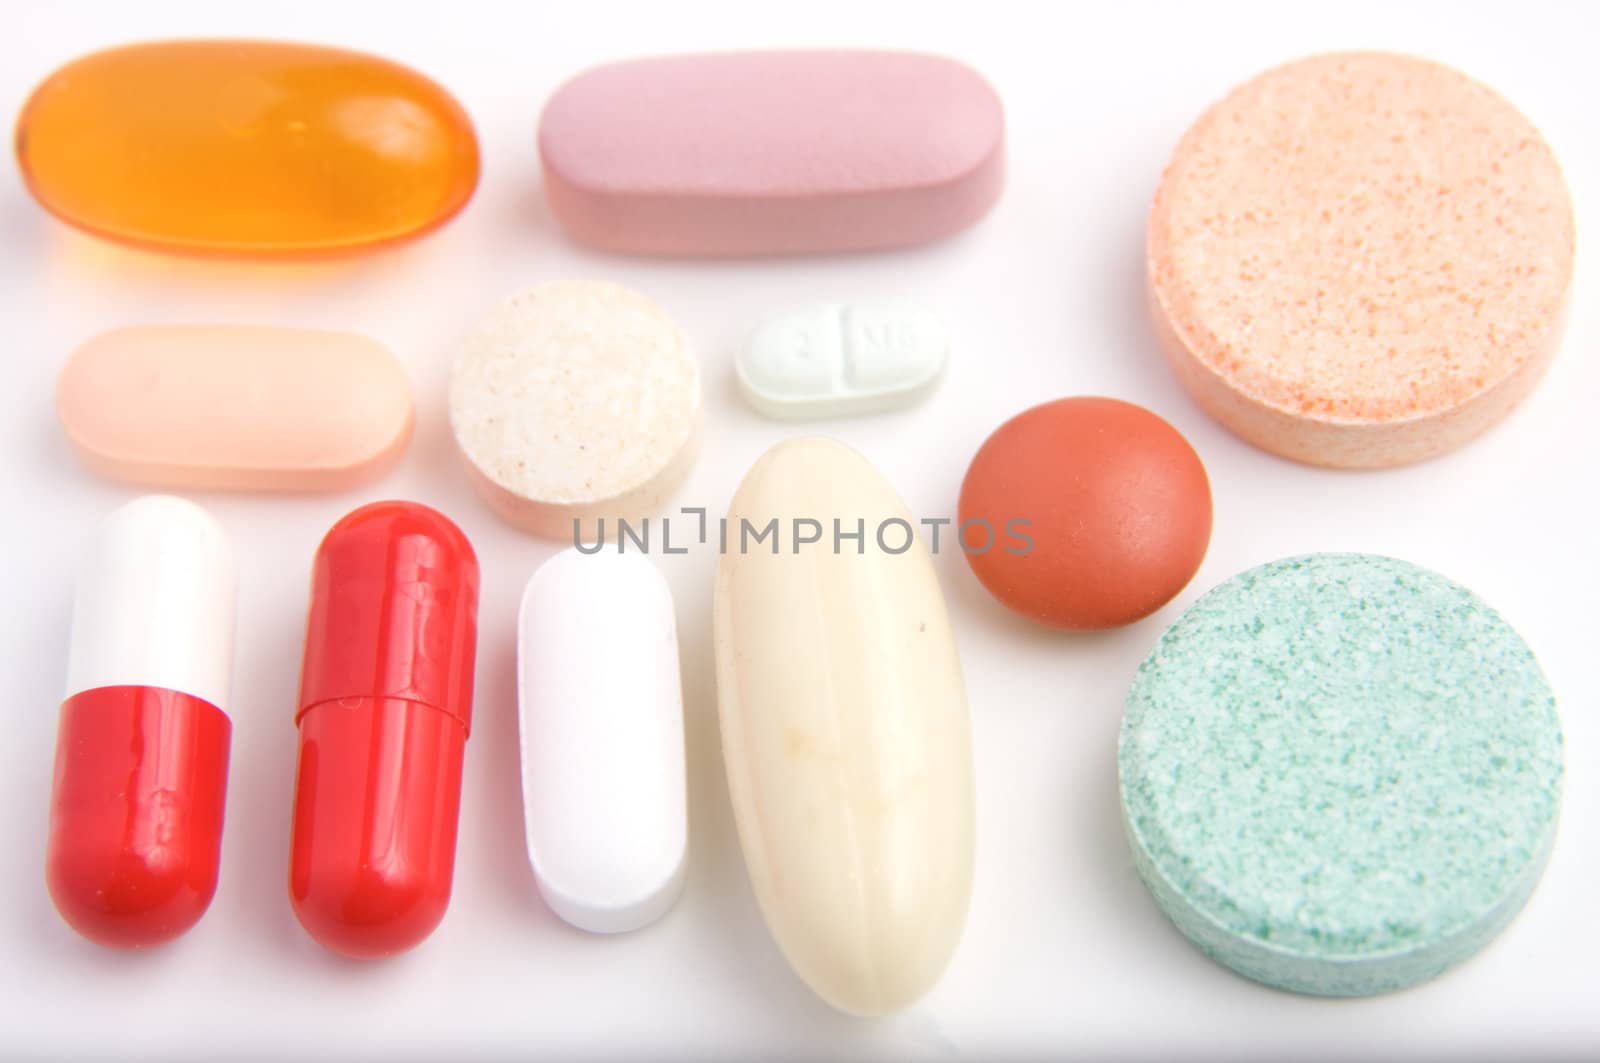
pixel 1360 259
pixel 1340 773
pixel 576 400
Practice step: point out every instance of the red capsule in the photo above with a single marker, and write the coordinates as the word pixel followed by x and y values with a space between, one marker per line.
pixel 385 707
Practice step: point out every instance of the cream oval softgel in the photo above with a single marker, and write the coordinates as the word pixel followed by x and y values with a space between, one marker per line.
pixel 844 729
pixel 1340 773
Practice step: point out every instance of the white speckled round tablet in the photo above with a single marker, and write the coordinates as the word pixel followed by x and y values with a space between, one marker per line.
pixel 1340 773
pixel 576 401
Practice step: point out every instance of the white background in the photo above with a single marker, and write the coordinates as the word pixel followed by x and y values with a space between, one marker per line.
pixel 1064 952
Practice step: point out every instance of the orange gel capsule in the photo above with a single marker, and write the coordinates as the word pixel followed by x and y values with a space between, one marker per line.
pixel 252 148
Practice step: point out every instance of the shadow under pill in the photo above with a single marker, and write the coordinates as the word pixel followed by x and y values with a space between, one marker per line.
pixel 717 889
pixel 261 797
pixel 504 860
pixel 1155 384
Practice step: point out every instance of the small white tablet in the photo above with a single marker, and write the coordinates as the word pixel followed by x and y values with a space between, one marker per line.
pixel 843 359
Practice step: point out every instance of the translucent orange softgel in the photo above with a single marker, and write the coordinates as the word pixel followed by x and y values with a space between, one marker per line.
pixel 252 148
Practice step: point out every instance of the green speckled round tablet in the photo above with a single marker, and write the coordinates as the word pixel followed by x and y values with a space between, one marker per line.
pixel 1340 773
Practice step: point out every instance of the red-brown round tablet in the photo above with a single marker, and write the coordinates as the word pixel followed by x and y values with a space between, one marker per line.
pixel 1085 513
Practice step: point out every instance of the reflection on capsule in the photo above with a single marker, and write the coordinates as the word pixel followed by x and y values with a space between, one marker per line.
pixel 385 706
pixel 141 770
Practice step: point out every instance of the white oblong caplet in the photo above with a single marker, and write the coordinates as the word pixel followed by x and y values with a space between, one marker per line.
pixel 154 602
pixel 600 714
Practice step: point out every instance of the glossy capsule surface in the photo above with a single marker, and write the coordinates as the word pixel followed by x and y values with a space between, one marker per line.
pixel 246 148
pixel 141 770
pixel 385 704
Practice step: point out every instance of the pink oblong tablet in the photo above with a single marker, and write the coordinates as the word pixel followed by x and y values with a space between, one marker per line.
pixel 235 408
pixel 772 153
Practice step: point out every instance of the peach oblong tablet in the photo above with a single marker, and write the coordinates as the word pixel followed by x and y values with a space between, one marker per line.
pixel 228 407
pixel 1360 259
pixel 772 152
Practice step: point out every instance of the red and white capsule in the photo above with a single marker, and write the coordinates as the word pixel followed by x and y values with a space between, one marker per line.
pixel 141 772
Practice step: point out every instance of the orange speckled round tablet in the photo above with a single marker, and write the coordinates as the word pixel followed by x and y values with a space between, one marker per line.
pixel 1085 513
pixel 1360 259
